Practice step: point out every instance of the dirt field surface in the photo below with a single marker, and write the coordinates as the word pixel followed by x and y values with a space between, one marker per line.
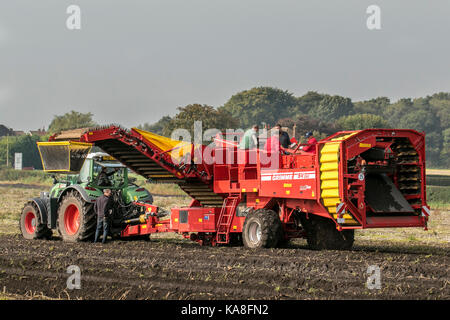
pixel 176 269
pixel 414 264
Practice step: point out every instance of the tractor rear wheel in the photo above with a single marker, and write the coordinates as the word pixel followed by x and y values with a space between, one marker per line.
pixel 30 223
pixel 262 229
pixel 322 234
pixel 77 220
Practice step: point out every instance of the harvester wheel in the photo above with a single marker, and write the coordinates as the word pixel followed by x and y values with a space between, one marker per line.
pixel 262 229
pixel 30 223
pixel 76 218
pixel 322 234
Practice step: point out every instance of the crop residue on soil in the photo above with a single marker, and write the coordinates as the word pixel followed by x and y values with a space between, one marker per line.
pixel 176 269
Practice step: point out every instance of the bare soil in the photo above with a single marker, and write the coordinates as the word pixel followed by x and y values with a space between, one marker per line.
pixel 174 268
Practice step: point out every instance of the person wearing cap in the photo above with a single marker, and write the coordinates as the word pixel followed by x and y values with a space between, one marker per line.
pixel 311 144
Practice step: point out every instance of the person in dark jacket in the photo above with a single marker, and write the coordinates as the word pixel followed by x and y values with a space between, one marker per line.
pixel 103 177
pixel 102 208
pixel 285 141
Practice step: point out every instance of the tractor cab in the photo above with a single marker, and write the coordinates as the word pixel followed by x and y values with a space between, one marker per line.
pixel 103 171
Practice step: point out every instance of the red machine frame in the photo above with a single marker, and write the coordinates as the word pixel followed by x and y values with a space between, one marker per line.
pixel 295 186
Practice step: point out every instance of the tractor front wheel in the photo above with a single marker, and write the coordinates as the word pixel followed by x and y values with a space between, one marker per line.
pixel 76 218
pixel 262 229
pixel 30 223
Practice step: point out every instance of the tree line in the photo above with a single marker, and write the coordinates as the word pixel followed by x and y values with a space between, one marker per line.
pixel 321 113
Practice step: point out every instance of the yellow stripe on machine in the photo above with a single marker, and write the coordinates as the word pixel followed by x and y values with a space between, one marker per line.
pixel 329 176
pixel 175 148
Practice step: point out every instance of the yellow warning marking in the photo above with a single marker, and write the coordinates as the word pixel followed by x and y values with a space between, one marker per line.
pixel 287 185
pixel 312 194
pixel 243 190
pixel 200 220
pixel 255 189
pixel 288 191
pixel 329 175
pixel 176 219
pixel 234 227
pixel 144 226
pixel 257 200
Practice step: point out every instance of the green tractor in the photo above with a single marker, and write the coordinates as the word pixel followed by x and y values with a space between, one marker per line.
pixel 69 205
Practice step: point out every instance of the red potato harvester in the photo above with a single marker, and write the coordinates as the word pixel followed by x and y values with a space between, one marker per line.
pixel 373 178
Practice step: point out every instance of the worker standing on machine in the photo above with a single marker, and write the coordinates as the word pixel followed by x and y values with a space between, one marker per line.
pixel 285 141
pixel 311 144
pixel 103 208
pixel 273 143
pixel 250 139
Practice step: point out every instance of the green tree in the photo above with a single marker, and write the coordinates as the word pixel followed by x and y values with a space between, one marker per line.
pixel 157 127
pixel 258 105
pixel 419 115
pixel 362 121
pixel 211 119
pixel 440 103
pixel 26 145
pixel 373 106
pixel 445 153
pixel 71 120
pixel 306 103
pixel 332 108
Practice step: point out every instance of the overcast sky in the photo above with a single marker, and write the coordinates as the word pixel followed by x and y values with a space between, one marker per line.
pixel 136 61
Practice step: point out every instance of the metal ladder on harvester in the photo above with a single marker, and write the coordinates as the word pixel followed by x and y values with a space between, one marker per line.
pixel 225 218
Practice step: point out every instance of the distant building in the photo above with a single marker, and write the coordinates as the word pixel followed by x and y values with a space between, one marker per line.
pixel 39 132
pixel 5 131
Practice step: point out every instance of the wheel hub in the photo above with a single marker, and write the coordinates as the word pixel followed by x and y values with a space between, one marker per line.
pixel 72 219
pixel 255 232
pixel 30 222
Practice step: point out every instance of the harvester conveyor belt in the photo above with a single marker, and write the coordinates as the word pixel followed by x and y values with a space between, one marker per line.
pixel 151 156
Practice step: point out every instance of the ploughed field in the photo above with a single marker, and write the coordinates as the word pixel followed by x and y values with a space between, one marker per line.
pixel 176 269
pixel 413 264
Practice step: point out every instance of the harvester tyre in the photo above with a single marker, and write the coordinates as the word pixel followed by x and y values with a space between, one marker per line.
pixel 262 229
pixel 30 223
pixel 77 220
pixel 322 234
